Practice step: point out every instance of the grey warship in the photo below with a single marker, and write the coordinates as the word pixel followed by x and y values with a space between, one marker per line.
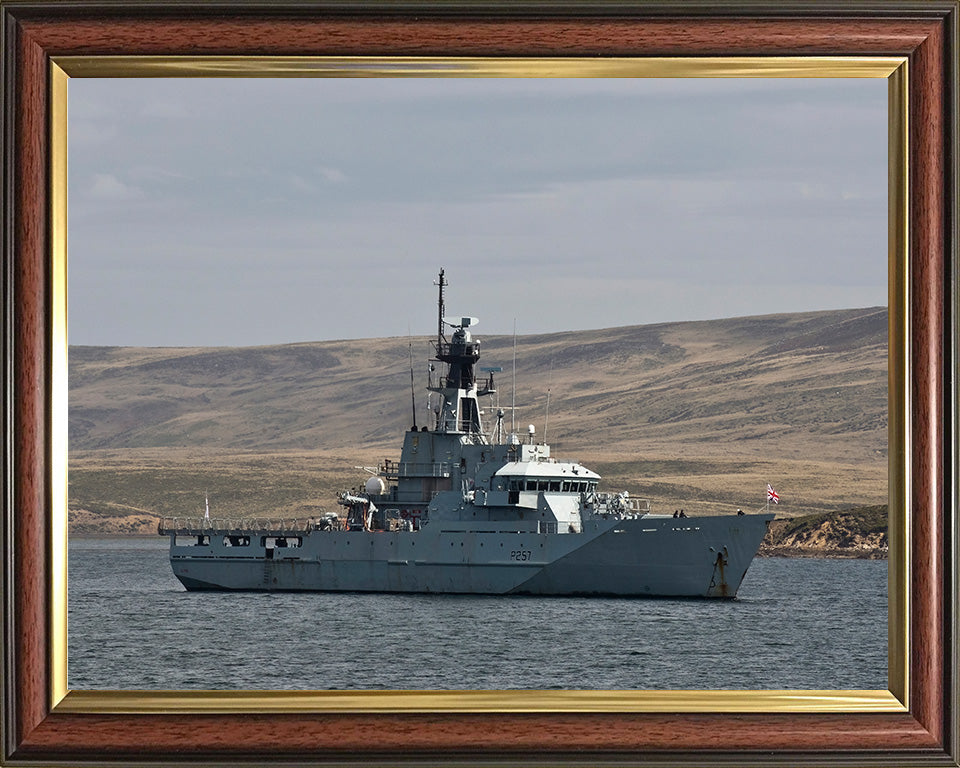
pixel 469 511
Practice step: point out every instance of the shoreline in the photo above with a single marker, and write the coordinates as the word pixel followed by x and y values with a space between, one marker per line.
pixel 765 551
pixel 794 553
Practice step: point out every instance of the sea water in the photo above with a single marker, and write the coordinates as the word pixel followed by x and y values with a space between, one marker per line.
pixel 797 623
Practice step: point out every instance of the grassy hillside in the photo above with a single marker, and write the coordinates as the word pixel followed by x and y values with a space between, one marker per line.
pixel 700 415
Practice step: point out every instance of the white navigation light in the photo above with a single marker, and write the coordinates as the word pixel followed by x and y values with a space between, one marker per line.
pixel 531 430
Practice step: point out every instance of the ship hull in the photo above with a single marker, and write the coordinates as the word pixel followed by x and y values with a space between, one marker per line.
pixel 649 556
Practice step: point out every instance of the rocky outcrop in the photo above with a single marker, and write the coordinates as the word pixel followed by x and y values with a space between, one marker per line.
pixel 850 533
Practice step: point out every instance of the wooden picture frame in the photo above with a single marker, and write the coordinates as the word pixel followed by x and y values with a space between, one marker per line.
pixel 41 724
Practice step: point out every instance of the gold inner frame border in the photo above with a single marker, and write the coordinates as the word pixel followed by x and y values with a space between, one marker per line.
pixel 894 69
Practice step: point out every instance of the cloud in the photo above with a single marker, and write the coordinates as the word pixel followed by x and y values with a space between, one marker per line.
pixel 90 133
pixel 323 175
pixel 271 189
pixel 333 175
pixel 106 186
pixel 165 110
pixel 301 184
pixel 151 173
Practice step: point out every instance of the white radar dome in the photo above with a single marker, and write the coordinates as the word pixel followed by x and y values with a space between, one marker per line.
pixel 375 485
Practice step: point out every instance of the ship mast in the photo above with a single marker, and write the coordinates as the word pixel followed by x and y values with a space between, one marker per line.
pixel 441 283
pixel 458 388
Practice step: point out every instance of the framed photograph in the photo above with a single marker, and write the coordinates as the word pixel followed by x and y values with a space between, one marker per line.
pixel 46 45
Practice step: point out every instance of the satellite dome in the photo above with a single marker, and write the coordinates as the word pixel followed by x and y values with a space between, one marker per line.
pixel 375 485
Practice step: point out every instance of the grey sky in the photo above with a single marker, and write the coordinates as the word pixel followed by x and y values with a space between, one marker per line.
pixel 235 212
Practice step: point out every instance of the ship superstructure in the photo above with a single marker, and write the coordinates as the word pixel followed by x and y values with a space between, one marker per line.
pixel 464 512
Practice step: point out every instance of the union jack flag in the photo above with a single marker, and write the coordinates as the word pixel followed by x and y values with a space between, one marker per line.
pixel 772 495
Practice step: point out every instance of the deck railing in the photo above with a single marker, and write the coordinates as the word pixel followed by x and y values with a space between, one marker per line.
pixel 616 504
pixel 196 525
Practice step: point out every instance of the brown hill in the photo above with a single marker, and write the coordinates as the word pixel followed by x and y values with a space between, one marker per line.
pixel 697 414
pixel 728 380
